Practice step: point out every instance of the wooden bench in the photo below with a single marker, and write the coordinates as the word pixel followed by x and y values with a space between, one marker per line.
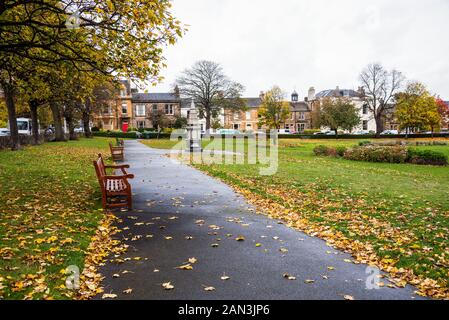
pixel 116 190
pixel 120 142
pixel 117 153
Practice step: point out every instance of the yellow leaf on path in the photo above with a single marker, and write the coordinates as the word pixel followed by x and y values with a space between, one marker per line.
pixel 168 286
pixel 214 245
pixel 309 281
pixel 109 296
pixel 209 289
pixel 241 238
pixel 331 268
pixel 128 291
pixel 288 277
pixel 283 250
pixel 185 267
pixel 168 238
pixel 258 245
pixel 225 277
pixel 347 297
pixel 193 260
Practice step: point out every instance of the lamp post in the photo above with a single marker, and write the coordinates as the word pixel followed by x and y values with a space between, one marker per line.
pixel 193 137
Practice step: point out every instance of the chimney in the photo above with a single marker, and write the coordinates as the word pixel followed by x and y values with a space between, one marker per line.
pixel 311 96
pixel 177 92
pixel 261 95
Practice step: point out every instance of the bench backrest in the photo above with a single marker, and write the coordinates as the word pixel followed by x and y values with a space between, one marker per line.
pixel 100 170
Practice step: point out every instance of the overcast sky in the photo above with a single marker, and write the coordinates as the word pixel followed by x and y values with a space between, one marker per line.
pixel 297 44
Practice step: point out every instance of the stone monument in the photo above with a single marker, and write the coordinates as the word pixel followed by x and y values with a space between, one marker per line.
pixel 193 137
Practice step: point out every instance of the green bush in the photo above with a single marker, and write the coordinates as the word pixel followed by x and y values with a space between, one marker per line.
pixel 427 157
pixel 341 151
pixel 393 154
pixel 364 143
pixel 95 129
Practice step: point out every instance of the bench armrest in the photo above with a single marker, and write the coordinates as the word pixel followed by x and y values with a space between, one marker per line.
pixel 124 177
pixel 125 166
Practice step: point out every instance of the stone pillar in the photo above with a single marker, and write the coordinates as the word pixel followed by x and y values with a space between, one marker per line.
pixel 193 137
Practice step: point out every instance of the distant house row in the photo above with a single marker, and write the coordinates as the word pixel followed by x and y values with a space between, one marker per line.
pixel 144 110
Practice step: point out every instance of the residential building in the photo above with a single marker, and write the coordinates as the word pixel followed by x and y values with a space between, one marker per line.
pixel 368 122
pixel 138 110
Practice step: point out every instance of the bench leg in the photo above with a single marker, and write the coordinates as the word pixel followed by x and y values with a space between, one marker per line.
pixel 130 202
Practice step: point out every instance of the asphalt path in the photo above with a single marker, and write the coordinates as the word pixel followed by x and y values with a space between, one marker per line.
pixel 180 213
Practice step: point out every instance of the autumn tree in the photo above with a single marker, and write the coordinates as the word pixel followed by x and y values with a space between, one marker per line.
pixel 211 89
pixel 339 114
pixel 380 87
pixel 274 110
pixel 110 37
pixel 417 109
pixel 443 110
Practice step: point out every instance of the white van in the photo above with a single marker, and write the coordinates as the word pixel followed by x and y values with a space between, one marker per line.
pixel 24 125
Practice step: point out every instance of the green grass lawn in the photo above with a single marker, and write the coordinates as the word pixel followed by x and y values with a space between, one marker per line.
pixel 49 210
pixel 394 215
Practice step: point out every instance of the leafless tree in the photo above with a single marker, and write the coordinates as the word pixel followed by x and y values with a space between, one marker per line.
pixel 380 87
pixel 211 89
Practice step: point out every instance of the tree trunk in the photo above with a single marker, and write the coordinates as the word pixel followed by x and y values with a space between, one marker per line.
pixel 34 120
pixel 208 120
pixel 57 119
pixel 12 117
pixel 86 111
pixel 86 124
pixel 379 125
pixel 69 121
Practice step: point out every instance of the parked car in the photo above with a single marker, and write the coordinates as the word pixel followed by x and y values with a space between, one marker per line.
pixel 4 132
pixel 390 132
pixel 229 132
pixel 361 133
pixel 284 131
pixel 79 130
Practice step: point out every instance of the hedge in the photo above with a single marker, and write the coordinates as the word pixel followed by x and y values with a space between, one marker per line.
pixel 394 154
pixel 427 157
pixel 356 137
pixel 116 134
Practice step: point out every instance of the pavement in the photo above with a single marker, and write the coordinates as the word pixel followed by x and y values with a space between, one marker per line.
pixel 180 213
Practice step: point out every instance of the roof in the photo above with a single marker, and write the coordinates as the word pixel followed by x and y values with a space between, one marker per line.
pixel 299 107
pixel 333 93
pixel 253 102
pixel 155 97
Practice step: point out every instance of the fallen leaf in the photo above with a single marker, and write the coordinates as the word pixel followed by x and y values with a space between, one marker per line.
pixel 347 297
pixel 168 286
pixel 109 296
pixel 209 289
pixel 185 267
pixel 288 277
pixel 128 291
pixel 193 260
pixel 309 281
pixel 241 238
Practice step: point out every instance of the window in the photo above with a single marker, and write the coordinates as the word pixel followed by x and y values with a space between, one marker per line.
pixel 107 110
pixel 248 115
pixel 140 110
pixel 124 108
pixel 140 124
pixel 154 108
pixel 123 92
pixel 302 116
pixel 236 126
pixel 169 109
pixel 301 127
pixel 365 125
pixel 365 109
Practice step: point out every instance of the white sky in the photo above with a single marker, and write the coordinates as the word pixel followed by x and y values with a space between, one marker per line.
pixel 297 44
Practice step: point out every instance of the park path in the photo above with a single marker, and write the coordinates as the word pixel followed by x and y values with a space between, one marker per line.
pixel 171 198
